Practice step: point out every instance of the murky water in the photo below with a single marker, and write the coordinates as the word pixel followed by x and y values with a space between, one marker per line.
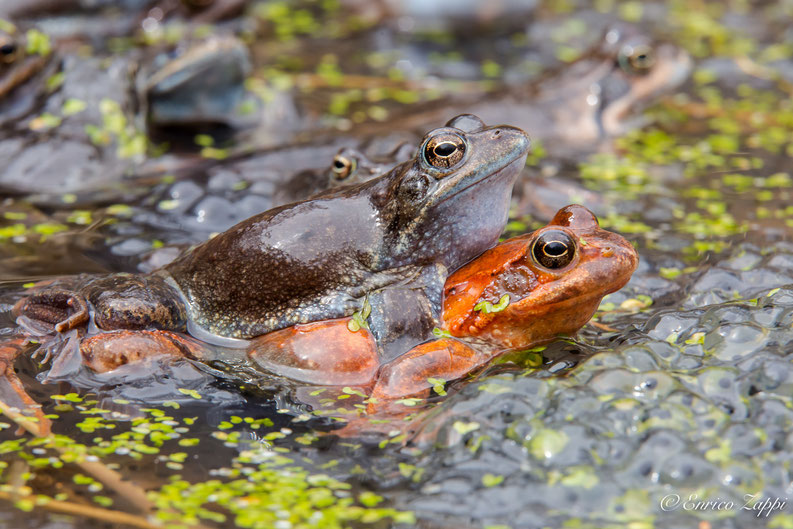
pixel 677 395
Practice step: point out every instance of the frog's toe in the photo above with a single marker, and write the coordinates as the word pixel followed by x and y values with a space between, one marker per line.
pixel 64 309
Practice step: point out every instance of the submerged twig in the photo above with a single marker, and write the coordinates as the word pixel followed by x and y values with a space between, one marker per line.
pixel 602 326
pixel 112 479
pixel 40 427
pixel 65 507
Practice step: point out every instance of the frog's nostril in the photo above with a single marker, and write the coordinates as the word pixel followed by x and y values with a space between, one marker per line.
pixel 496 133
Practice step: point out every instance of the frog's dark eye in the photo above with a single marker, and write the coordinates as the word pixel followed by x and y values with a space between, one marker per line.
pixel 8 51
pixel 554 249
pixel 636 59
pixel 444 150
pixel 342 167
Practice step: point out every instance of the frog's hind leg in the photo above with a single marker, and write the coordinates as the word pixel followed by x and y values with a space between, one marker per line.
pixel 415 372
pixel 64 309
pixel 111 350
pixel 15 402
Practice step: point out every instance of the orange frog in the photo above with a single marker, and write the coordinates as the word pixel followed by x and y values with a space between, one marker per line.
pixel 523 292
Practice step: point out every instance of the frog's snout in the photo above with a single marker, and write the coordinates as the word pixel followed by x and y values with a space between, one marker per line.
pixel 617 262
pixel 516 140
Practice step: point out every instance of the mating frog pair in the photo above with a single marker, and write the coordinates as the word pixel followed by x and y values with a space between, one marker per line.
pixel 352 286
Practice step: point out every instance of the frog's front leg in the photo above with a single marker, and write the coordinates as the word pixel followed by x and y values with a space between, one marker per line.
pixel 402 316
pixel 65 309
pixel 447 359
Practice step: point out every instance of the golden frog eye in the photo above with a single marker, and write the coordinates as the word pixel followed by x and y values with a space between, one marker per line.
pixel 553 249
pixel 637 59
pixel 9 50
pixel 342 167
pixel 444 150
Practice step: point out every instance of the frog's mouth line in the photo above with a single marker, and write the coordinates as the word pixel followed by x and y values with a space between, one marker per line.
pixel 561 304
pixel 495 174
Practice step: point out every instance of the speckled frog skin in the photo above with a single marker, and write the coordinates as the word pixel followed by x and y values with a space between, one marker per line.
pixel 391 240
pixel 318 258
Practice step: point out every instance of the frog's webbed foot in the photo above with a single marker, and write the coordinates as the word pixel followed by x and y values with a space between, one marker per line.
pixel 65 309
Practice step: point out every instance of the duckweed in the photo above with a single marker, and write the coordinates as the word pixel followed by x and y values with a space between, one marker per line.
pixel 38 43
pixel 485 307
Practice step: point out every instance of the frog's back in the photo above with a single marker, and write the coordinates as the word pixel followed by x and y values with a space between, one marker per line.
pixel 269 271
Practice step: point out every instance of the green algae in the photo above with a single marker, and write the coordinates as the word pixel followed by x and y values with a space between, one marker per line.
pixel 131 142
pixel 359 317
pixel 261 486
pixel 546 443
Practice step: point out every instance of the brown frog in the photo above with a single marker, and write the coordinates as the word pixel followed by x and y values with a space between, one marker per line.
pixel 319 258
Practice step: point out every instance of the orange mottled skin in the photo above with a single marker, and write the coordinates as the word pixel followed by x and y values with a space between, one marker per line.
pixel 543 302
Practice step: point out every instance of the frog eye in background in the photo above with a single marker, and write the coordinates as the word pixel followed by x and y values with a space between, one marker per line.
pixel 444 150
pixel 342 167
pixel 8 50
pixel 553 249
pixel 637 59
